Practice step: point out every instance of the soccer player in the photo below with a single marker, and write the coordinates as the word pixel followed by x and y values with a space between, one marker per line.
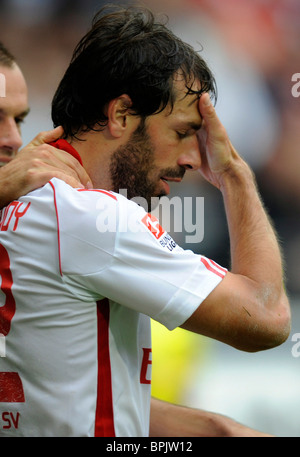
pixel 83 271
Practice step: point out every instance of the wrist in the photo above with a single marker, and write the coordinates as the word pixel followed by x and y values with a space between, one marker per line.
pixel 237 174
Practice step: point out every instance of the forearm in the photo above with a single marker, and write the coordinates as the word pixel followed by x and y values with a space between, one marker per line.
pixel 249 306
pixel 256 262
pixel 168 420
pixel 255 251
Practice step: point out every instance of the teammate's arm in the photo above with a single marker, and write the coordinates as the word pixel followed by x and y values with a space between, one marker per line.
pixel 168 420
pixel 249 308
pixel 36 164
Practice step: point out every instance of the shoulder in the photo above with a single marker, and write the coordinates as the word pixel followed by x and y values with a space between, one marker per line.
pixel 99 208
pixel 85 200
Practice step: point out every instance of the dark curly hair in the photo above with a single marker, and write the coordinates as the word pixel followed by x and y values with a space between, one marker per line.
pixel 127 51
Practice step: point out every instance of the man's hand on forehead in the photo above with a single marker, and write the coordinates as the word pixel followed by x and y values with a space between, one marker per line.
pixel 217 152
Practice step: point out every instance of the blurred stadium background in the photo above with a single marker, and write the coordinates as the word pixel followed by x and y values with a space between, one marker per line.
pixel 253 49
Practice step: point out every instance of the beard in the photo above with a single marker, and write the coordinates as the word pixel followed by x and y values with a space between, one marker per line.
pixel 132 167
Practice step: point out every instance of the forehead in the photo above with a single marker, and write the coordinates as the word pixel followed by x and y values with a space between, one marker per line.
pixel 184 100
pixel 13 90
pixel 185 106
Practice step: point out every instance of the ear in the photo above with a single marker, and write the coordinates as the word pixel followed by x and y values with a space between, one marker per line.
pixel 118 113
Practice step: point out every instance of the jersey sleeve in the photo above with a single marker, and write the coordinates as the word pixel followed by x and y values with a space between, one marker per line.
pixel 110 247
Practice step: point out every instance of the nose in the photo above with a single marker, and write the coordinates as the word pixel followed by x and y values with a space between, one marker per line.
pixel 190 158
pixel 10 137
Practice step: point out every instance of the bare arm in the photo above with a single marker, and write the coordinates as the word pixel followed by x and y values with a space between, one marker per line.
pixel 168 420
pixel 248 309
pixel 36 164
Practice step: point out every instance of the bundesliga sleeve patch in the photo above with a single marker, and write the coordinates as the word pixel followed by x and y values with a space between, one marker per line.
pixel 152 224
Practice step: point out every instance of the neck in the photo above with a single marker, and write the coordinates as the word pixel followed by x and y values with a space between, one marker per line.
pixel 95 156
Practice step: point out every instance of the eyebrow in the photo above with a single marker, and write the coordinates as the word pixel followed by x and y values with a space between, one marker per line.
pixel 185 124
pixel 22 114
pixel 194 125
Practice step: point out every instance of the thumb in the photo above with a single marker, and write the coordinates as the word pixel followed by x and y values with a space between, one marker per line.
pixel 47 136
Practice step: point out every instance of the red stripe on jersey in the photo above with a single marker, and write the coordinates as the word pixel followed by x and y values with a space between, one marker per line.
pixel 104 421
pixel 106 192
pixel 58 234
pixel 11 388
pixel 219 271
pixel 218 266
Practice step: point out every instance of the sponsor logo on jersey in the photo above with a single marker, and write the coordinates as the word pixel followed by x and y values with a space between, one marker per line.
pixel 152 224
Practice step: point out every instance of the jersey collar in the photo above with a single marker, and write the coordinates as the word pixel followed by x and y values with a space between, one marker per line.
pixel 65 146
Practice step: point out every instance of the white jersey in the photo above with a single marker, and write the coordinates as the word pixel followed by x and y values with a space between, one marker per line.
pixel 82 272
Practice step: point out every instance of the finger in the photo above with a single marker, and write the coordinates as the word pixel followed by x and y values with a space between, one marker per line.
pixel 41 178
pixel 73 164
pixel 42 154
pixel 202 136
pixel 213 125
pixel 83 176
pixel 47 136
pixel 60 161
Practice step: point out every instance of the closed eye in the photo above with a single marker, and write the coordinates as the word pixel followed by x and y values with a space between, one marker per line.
pixel 186 133
pixel 190 129
pixel 182 135
pixel 21 117
pixel 19 120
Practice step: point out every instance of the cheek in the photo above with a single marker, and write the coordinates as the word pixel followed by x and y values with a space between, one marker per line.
pixel 164 144
pixel 165 151
pixel 4 127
